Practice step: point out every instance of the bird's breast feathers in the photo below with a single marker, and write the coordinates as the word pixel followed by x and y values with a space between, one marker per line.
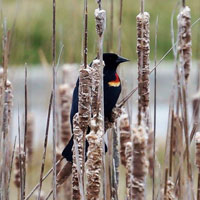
pixel 116 82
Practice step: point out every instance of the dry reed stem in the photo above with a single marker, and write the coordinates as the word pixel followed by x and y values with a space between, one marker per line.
pixel 184 40
pixel 44 148
pixel 65 101
pixel 30 132
pixel 94 162
pixel 125 135
pixel 143 50
pixel 140 163
pixel 128 156
pixel 78 161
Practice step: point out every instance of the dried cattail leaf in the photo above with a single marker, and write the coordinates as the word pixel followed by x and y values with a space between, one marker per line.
pixel 65 92
pixel 128 157
pixel 30 132
pixel 197 140
pixel 125 135
pixel 184 39
pixel 84 105
pixel 100 16
pixel 143 50
pixel 64 173
pixel 94 162
pixel 140 162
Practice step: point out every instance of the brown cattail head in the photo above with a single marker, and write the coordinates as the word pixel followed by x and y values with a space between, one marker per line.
pixel 143 50
pixel 77 158
pixel 140 163
pixel 96 79
pixel 100 16
pixel 184 39
pixel 170 193
pixel 84 105
pixel 19 156
pixel 65 93
pixel 128 157
pixel 94 162
pixel 30 132
pixel 125 136
pixel 116 112
pixel 197 140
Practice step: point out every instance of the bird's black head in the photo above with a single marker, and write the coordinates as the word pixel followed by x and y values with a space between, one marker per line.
pixel 112 60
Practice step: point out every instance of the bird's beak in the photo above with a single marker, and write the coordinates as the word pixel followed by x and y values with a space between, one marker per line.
pixel 121 60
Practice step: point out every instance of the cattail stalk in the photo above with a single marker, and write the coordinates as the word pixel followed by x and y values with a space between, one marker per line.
pixel 140 163
pixel 184 40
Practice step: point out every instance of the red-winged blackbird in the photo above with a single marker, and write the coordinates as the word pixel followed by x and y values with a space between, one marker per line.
pixel 112 90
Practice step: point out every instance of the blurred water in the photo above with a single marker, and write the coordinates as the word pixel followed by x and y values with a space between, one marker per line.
pixel 40 83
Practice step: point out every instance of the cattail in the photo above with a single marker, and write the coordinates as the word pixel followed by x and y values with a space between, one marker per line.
pixel 84 105
pixel 94 162
pixel 116 112
pixel 96 77
pixel 30 133
pixel 128 164
pixel 100 16
pixel 140 163
pixel 170 193
pixel 125 135
pixel 9 99
pixel 143 50
pixel 77 159
pixel 65 102
pixel 184 40
pixel 18 156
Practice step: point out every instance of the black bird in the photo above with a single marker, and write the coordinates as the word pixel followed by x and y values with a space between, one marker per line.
pixel 112 90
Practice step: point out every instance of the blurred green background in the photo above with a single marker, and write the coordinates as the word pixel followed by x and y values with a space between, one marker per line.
pixel 32 43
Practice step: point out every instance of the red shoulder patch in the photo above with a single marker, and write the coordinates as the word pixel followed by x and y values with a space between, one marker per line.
pixel 116 82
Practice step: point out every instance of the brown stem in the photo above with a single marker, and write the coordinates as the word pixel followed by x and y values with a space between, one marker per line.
pixel 85 50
